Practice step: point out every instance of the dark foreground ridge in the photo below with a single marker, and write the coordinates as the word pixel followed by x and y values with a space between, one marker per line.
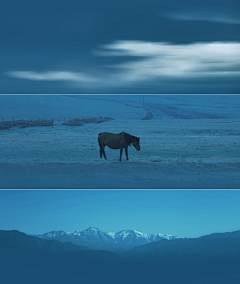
pixel 210 259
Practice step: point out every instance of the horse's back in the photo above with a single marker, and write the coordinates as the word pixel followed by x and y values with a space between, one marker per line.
pixel 112 140
pixel 110 135
pixel 104 135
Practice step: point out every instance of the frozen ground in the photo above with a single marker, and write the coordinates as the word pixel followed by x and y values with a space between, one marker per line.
pixel 186 144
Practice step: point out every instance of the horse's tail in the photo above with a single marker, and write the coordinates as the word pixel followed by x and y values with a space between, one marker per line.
pixel 101 151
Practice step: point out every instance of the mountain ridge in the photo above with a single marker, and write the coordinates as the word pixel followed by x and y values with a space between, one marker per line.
pixel 16 240
pixel 213 244
pixel 95 238
pixel 205 260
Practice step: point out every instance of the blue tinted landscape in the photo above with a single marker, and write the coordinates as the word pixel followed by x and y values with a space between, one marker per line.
pixel 139 237
pixel 163 78
pixel 186 142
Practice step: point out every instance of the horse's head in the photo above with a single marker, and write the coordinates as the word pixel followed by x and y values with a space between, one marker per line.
pixel 136 143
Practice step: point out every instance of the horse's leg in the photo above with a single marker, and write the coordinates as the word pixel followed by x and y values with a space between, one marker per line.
pixel 121 149
pixel 126 151
pixel 103 151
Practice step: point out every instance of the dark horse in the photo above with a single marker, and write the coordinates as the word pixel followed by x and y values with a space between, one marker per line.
pixel 117 141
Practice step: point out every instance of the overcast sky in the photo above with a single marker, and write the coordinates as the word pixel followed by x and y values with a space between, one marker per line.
pixel 178 212
pixel 107 46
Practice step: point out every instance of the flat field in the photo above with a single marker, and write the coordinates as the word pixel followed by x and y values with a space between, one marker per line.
pixel 183 145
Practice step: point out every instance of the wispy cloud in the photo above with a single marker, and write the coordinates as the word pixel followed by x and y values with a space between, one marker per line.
pixel 53 76
pixel 203 16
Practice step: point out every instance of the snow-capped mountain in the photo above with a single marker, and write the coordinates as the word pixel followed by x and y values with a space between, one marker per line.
pixel 94 238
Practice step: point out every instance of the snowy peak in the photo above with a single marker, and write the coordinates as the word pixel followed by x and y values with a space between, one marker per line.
pixel 95 238
pixel 158 237
pixel 94 232
pixel 130 234
pixel 56 233
pixel 90 230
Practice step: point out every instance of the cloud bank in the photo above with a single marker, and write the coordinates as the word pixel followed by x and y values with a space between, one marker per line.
pixel 153 61
pixel 162 60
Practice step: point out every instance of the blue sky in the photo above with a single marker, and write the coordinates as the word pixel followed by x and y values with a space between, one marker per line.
pixel 120 46
pixel 178 212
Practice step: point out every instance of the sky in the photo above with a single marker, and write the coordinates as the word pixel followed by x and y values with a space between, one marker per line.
pixel 176 212
pixel 124 47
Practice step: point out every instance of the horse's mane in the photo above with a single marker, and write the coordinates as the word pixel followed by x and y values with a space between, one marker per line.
pixel 129 138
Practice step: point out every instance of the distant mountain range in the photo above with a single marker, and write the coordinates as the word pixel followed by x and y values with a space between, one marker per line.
pixel 216 245
pixel 96 239
pixel 22 242
pixel 16 241
pixel 209 259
